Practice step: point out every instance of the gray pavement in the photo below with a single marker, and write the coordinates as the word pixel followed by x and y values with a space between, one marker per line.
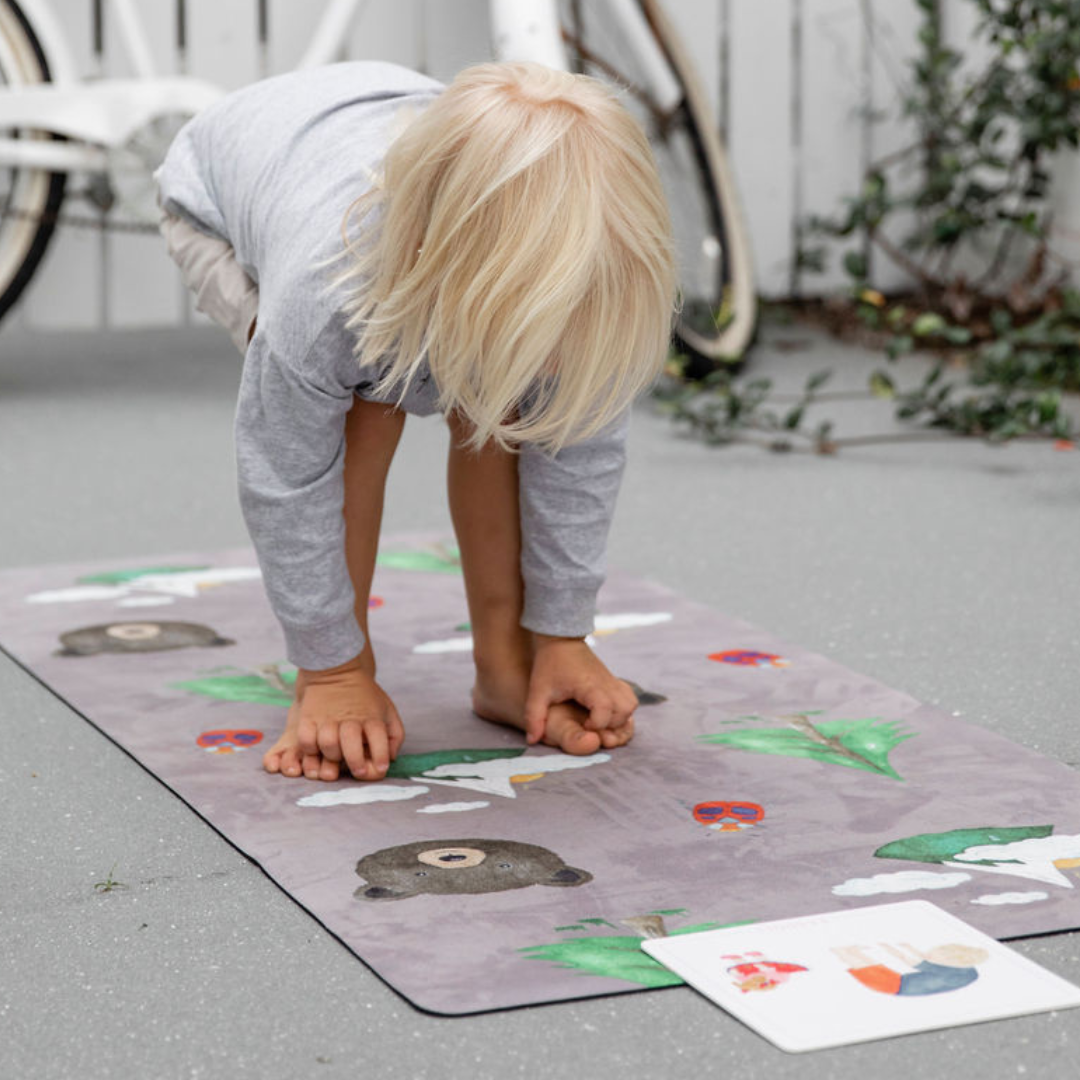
pixel 946 569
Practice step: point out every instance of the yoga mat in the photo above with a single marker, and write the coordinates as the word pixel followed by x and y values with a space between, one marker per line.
pixel 771 782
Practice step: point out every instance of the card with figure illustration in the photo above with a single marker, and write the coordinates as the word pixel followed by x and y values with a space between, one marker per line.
pixel 853 976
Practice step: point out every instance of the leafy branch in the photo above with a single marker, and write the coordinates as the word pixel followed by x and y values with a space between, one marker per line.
pixel 998 404
pixel 722 410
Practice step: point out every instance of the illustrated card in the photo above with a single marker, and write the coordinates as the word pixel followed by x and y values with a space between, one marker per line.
pixel 853 976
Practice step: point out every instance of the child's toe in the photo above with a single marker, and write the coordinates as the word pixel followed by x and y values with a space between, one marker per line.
pixel 576 740
pixel 620 736
pixel 290 762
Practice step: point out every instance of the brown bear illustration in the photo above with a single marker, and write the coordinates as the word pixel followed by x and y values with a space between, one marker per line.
pixel 461 866
pixel 129 637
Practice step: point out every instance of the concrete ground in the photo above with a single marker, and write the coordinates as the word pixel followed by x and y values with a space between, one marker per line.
pixel 947 569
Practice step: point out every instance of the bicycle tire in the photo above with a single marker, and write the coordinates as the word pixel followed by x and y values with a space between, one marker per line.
pixel 718 317
pixel 35 195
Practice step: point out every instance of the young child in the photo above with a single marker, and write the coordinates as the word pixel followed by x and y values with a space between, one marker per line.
pixel 497 250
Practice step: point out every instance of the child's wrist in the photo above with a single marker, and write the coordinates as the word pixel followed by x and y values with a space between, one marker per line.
pixel 315 675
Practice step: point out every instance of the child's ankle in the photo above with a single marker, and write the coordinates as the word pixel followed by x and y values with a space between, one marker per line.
pixel 497 648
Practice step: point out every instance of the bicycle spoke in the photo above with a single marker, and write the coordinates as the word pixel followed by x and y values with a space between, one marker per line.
pixel 30 197
pixel 661 117
pixel 715 270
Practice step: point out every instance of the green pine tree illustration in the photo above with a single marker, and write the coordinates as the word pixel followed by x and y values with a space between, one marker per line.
pixel 858 744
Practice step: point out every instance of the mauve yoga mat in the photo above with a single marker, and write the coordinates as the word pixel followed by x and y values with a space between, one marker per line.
pixel 770 783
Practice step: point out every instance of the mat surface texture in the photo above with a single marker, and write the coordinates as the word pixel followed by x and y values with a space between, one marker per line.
pixel 764 782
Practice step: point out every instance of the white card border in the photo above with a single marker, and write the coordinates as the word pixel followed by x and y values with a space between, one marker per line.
pixel 780 1036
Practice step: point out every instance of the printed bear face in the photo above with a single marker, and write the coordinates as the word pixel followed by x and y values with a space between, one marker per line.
pixel 461 866
pixel 130 637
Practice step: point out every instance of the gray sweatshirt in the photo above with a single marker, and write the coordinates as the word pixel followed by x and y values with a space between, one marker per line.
pixel 271 169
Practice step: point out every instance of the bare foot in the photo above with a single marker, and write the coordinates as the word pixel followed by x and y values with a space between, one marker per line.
pixel 348 726
pixel 501 699
pixel 362 749
pixel 285 756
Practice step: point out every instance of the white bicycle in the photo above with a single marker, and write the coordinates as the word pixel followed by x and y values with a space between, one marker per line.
pixel 116 131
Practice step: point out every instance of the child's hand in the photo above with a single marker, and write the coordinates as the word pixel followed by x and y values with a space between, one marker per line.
pixel 566 669
pixel 345 716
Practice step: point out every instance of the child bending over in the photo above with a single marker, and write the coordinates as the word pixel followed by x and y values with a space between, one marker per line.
pixel 504 259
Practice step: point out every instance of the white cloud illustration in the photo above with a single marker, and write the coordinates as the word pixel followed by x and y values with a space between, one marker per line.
pixel 608 624
pixel 995 899
pixel 77 592
pixel 452 807
pixel 489 777
pixel 456 644
pixel 369 793
pixel 901 882
pixel 164 587
pixel 605 624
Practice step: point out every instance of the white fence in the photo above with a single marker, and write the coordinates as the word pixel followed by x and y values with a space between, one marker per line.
pixel 805 94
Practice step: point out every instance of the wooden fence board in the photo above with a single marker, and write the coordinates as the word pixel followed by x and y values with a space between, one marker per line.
pixel 760 135
pixel 833 112
pixel 892 40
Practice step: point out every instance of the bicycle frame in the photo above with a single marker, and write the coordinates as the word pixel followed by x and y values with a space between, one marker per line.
pixel 98 116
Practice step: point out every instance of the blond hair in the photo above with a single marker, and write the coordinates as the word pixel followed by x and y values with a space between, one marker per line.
pixel 519 240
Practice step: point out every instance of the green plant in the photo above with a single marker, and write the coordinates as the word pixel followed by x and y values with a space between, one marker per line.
pixel 999 410
pixel 109 884
pixel 996 405
pixel 977 174
pixel 722 409
pixel 971 188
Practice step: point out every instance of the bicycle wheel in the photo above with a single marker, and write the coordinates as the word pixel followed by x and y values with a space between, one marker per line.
pixel 640 53
pixel 29 198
